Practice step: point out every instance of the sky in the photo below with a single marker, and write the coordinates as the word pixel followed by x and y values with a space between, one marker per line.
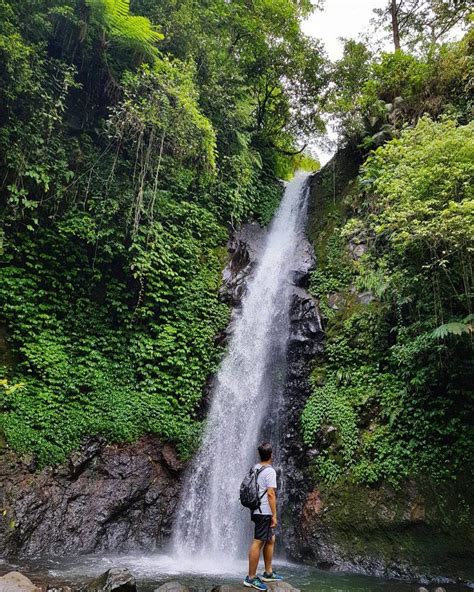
pixel 341 18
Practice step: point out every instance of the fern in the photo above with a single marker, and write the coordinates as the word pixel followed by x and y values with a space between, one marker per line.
pixel 134 31
pixel 454 328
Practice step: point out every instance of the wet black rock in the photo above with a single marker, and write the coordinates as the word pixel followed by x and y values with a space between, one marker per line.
pixel 306 330
pixel 305 342
pixel 116 579
pixel 244 247
pixel 106 498
pixel 305 264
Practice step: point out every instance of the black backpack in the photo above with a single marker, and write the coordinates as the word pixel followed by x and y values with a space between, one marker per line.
pixel 249 496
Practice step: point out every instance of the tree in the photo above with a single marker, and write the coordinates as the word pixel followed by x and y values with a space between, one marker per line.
pixel 394 14
pixel 419 21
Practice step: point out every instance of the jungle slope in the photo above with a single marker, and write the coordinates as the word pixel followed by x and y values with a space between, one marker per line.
pixel 129 144
pixel 388 427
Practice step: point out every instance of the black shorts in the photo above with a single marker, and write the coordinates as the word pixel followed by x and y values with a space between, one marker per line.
pixel 263 530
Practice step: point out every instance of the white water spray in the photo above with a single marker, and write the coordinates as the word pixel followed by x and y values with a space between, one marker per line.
pixel 210 521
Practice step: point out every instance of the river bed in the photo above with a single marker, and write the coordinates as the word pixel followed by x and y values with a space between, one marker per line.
pixel 200 574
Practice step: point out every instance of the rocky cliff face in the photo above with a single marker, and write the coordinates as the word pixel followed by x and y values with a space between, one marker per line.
pixel 107 497
pixel 305 342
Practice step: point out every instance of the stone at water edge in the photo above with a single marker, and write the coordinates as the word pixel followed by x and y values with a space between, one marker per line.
pixel 115 579
pixel 440 589
pixel 227 588
pixel 422 589
pixel 281 586
pixel 173 586
pixel 14 581
pixel 273 586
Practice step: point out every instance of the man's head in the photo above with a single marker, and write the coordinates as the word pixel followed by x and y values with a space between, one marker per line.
pixel 265 451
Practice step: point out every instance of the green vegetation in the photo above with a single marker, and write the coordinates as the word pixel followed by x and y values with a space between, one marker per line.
pixel 380 94
pixel 131 135
pixel 134 135
pixel 393 393
pixel 394 396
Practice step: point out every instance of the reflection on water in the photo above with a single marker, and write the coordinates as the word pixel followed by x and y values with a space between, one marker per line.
pixel 201 574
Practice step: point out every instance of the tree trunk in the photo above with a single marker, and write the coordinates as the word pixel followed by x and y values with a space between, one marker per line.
pixel 395 27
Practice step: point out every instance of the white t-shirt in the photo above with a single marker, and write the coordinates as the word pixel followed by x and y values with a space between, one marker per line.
pixel 267 478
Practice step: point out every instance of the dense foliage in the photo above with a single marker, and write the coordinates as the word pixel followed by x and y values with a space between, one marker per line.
pixel 128 143
pixel 133 135
pixel 374 96
pixel 394 397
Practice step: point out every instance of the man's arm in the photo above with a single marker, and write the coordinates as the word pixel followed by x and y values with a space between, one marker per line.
pixel 272 500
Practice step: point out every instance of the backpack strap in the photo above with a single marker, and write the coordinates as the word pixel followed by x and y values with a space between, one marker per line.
pixel 257 473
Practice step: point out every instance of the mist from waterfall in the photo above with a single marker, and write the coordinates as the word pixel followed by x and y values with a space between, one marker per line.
pixel 246 398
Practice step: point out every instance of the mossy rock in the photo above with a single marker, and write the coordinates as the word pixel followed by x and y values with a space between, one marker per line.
pixel 426 526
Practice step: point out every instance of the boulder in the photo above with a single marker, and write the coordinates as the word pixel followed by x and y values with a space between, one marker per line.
pixel 226 588
pixel 439 589
pixel 115 579
pixel 423 589
pixel 382 137
pixel 14 581
pixel 357 247
pixel 281 587
pixel 173 586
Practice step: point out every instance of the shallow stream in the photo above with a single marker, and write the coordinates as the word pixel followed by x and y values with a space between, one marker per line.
pixel 201 575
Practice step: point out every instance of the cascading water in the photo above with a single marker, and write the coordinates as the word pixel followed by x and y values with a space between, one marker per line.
pixel 246 398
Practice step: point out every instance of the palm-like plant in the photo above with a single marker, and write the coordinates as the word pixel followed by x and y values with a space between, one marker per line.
pixel 136 32
pixel 455 328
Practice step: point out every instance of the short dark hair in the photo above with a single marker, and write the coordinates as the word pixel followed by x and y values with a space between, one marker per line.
pixel 265 451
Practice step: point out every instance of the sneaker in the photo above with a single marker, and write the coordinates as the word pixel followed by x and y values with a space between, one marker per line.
pixel 255 583
pixel 272 577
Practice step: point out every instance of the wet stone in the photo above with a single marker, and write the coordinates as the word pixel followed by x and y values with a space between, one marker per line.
pixel 281 587
pixel 176 586
pixel 227 588
pixel 115 579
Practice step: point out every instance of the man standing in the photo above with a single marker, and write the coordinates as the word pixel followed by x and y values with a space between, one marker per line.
pixel 265 520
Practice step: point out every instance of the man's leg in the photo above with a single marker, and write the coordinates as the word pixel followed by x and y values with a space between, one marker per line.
pixel 254 556
pixel 268 554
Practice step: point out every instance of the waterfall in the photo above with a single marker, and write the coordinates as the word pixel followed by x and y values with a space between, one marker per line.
pixel 246 398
